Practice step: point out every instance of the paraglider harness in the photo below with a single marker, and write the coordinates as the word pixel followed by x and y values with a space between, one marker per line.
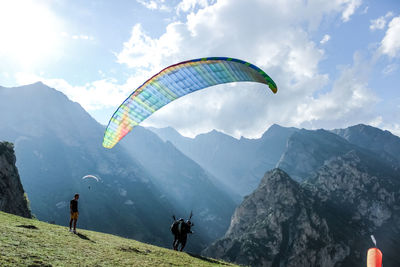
pixel 180 229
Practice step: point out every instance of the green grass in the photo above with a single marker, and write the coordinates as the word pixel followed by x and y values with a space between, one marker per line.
pixel 53 245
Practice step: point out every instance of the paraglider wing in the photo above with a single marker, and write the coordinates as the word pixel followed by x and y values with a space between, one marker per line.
pixel 176 81
pixel 89 176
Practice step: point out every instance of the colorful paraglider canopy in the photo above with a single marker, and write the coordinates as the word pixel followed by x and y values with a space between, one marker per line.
pixel 374 258
pixel 176 81
pixel 89 176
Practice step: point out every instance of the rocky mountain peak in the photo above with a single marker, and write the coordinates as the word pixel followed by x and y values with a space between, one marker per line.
pixel 264 199
pixel 383 143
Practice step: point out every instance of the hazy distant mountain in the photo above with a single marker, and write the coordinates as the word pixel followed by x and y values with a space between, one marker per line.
pixel 237 164
pixel 183 182
pixel 267 153
pixel 384 143
pixel 307 150
pixel 57 143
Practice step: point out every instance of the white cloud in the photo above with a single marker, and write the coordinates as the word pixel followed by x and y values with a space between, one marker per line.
pixel 190 5
pixel 154 4
pixel 325 39
pixel 77 36
pixel 376 122
pixel 351 6
pixel 82 37
pixel 389 14
pixel 389 69
pixel 272 39
pixel 380 23
pixel 390 44
pixel 349 102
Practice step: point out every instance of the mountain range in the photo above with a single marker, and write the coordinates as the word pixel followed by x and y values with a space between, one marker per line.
pixel 302 197
pixel 238 164
pixel 323 213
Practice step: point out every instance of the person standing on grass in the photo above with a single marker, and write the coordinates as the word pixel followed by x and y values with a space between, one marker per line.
pixel 73 209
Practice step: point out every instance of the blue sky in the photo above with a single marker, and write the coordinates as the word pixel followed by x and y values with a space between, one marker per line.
pixel 336 63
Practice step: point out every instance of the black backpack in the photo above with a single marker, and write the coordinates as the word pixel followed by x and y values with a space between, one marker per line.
pixel 175 227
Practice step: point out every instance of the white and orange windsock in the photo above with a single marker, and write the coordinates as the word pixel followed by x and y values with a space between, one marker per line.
pixel 374 257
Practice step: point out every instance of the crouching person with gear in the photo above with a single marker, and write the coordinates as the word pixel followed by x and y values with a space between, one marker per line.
pixel 180 229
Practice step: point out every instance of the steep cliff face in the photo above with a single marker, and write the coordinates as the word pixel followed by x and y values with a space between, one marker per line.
pixel 278 225
pixel 363 192
pixel 12 199
pixel 368 190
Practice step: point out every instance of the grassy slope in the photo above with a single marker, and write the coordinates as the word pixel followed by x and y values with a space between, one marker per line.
pixel 55 245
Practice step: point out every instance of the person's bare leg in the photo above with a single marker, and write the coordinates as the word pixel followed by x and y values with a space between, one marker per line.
pixel 75 225
pixel 70 224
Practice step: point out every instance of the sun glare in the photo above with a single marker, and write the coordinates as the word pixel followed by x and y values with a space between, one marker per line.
pixel 29 33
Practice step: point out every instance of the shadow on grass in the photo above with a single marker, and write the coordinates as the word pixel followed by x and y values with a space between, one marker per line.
pixel 134 250
pixel 84 237
pixel 28 226
pixel 206 259
pixel 39 264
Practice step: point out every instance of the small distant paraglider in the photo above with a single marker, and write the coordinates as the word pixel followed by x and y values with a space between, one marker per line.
pixel 374 255
pixel 90 177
